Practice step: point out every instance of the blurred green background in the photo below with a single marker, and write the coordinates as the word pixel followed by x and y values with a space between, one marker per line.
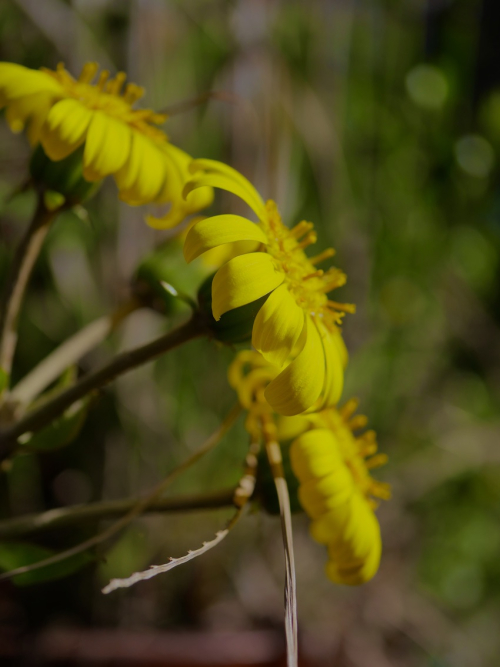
pixel 379 120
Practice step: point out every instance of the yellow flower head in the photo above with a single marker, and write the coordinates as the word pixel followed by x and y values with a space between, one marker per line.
pixel 333 468
pixel 297 328
pixel 63 114
pixel 338 492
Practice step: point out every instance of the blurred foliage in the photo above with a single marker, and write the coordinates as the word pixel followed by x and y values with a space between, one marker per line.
pixel 380 121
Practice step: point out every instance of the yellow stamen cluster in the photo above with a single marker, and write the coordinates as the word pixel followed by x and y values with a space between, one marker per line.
pixel 308 285
pixel 107 95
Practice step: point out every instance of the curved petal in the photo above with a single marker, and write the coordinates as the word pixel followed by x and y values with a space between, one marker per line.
pixel 31 110
pixel 224 183
pixel 278 326
pixel 300 384
pixel 216 167
pixel 332 492
pixel 142 176
pixel 17 81
pixel 106 148
pixel 242 280
pixel 180 161
pixel 314 455
pixel 334 369
pixel 65 128
pixel 218 230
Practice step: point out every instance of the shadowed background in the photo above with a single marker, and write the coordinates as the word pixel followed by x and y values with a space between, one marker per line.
pixel 379 121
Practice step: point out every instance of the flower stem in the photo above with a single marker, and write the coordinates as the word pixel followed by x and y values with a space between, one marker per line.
pixel 36 419
pixel 17 279
pixel 110 509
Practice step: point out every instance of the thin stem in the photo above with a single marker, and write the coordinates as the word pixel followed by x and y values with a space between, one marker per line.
pixel 110 509
pixel 69 352
pixel 37 419
pixel 139 507
pixel 19 273
pixel 273 452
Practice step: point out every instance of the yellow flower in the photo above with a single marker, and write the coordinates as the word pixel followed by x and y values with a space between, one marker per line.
pixel 297 328
pixel 338 492
pixel 332 466
pixel 63 114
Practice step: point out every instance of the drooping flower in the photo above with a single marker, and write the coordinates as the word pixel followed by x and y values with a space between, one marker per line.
pixel 338 492
pixel 63 113
pixel 332 465
pixel 297 328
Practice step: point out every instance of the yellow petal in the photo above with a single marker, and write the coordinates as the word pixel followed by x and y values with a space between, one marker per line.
pixel 17 81
pixel 315 454
pixel 278 326
pixel 330 523
pixel 181 161
pixel 242 280
pixel 291 427
pixel 142 177
pixel 224 183
pixel 215 258
pixel 31 110
pixel 334 369
pixel 65 128
pixel 106 148
pixel 218 230
pixel 216 167
pixel 300 384
pixel 319 498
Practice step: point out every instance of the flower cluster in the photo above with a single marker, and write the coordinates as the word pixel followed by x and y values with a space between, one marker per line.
pixel 62 114
pixel 332 465
pixel 297 328
pixel 290 383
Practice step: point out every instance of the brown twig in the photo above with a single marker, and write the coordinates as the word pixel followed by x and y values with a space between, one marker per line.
pixel 110 509
pixel 37 419
pixel 19 273
pixel 139 507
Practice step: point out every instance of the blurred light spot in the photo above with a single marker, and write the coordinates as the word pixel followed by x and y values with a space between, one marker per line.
pixel 427 86
pixel 72 487
pixel 402 300
pixel 475 155
pixel 474 256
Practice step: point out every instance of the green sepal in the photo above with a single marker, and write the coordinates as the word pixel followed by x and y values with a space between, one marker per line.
pixel 166 265
pixel 19 554
pixel 64 177
pixel 265 490
pixel 234 326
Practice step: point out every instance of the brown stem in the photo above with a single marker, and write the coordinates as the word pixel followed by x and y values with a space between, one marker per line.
pixel 68 516
pixel 19 273
pixel 37 419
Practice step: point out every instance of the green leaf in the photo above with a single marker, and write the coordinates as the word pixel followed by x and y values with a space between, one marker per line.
pixel 61 431
pixel 20 554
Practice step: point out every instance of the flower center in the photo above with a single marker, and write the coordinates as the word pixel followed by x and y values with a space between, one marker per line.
pixel 106 95
pixel 308 284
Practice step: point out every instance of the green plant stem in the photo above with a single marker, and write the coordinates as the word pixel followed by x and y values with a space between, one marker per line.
pixel 139 507
pixel 69 516
pixel 36 419
pixel 68 353
pixel 19 273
